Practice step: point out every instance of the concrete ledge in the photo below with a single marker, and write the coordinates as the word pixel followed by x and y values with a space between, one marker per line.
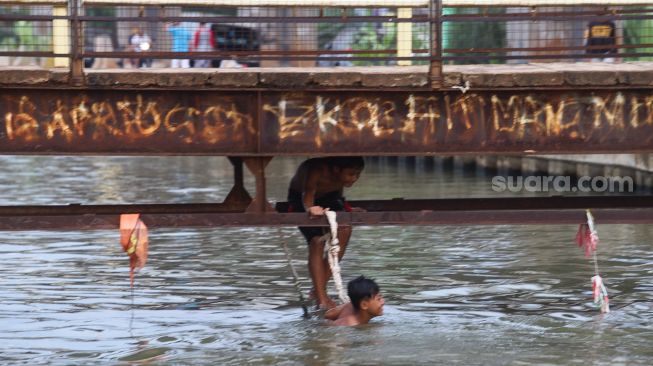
pixel 32 76
pixel 552 75
pixel 505 76
pixel 641 162
pixel 394 77
pixel 341 78
pixel 284 78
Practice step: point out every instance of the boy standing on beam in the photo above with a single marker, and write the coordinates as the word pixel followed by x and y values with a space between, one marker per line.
pixel 318 185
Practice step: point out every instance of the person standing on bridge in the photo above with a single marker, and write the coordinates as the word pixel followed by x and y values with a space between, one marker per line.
pixel 180 43
pixel 203 41
pixel 603 34
pixel 317 186
pixel 140 42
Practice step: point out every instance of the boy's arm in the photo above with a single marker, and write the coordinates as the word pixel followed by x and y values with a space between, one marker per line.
pixel 333 314
pixel 310 187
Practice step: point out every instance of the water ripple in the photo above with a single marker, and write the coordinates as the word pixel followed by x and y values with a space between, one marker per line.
pixel 472 295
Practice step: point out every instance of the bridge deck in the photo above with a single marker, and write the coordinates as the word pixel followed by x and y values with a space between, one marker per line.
pixel 519 76
pixel 508 109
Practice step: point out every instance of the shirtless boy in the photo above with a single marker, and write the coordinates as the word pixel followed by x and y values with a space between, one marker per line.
pixel 366 303
pixel 318 185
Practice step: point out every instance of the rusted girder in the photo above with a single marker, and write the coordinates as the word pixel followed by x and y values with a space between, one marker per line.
pixel 393 205
pixel 488 211
pixel 196 220
pixel 506 203
pixel 238 195
pixel 268 123
pixel 256 166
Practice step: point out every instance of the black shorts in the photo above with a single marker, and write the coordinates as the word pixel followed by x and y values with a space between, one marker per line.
pixel 332 200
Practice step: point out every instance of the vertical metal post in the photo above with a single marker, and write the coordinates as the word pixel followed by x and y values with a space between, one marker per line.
pixel 238 198
pixel 256 166
pixel 286 37
pixel 77 62
pixel 435 25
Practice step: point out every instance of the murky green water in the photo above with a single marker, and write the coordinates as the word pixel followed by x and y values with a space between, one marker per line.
pixel 466 295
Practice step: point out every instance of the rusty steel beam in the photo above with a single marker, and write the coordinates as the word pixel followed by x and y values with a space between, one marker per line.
pixel 488 211
pixel 497 204
pixel 81 210
pixel 275 122
pixel 393 205
pixel 199 220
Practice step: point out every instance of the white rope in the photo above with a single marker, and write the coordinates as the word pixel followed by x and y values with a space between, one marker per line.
pixel 332 248
pixel 599 291
pixel 593 233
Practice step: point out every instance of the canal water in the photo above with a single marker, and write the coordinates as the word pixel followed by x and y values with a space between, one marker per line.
pixel 455 295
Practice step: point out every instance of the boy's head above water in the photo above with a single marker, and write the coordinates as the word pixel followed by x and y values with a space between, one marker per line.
pixel 366 303
pixel 365 296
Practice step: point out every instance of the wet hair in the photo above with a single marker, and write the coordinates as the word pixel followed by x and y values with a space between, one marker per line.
pixel 344 162
pixel 360 289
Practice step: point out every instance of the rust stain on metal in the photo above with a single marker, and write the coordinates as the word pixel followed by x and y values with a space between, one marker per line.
pixel 499 217
pixel 124 122
pixel 459 123
pixel 367 123
pixel 486 211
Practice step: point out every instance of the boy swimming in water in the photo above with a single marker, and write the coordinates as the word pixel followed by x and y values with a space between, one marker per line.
pixel 366 303
pixel 317 185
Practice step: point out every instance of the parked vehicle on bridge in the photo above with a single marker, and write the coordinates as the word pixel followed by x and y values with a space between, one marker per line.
pixel 235 38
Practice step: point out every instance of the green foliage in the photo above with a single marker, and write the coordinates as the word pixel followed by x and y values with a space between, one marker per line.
pixel 465 35
pixel 20 34
pixel 109 27
pixel 372 37
pixel 326 32
pixel 638 32
pixel 375 37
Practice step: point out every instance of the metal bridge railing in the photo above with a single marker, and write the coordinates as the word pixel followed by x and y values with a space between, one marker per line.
pixel 248 33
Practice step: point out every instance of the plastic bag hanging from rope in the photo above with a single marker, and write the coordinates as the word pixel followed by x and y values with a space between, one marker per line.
pixel 133 238
pixel 588 239
pixel 600 294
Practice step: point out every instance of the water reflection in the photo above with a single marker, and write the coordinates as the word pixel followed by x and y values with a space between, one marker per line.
pixel 455 295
